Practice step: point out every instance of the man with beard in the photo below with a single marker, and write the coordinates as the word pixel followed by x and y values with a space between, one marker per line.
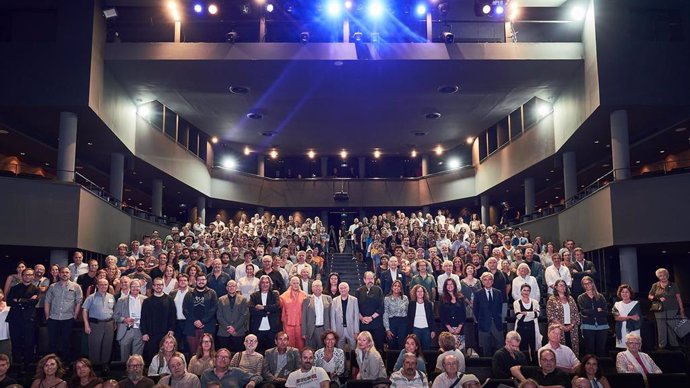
pixel 199 309
pixel 179 377
pixel 308 376
pixel 228 377
pixel 142 276
pixel 61 307
pixel 158 319
pixel 370 303
pixel 135 374
pixel 409 376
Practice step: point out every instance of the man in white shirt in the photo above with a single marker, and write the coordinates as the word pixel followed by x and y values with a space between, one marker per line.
pixel 451 375
pixel 448 273
pixel 127 315
pixel 308 376
pixel 178 295
pixel 241 270
pixel 565 357
pixel 78 267
pixel 557 271
pixel 316 316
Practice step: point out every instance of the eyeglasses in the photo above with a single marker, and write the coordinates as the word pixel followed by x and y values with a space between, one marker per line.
pixel 135 365
pixel 223 357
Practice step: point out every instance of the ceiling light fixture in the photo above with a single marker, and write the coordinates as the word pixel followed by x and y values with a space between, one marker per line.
pixel 311 154
pixel 343 154
pixel 273 154
pixel 413 153
pixel 469 140
pixel 214 140
pixel 377 154
pixel 247 151
pixel 438 150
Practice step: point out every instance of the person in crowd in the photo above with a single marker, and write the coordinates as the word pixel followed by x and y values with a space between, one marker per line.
pixel 546 374
pixel 370 300
pixel 127 315
pixel 332 287
pixel 49 373
pixel 627 314
pixel 217 279
pixel 97 314
pixel 594 315
pixel 420 316
pixel 61 307
pixel 291 314
pixel 392 274
pixel 447 274
pixel 308 375
pixel 249 360
pixel 412 345
pixel 233 318
pixel 124 286
pixel 158 319
pixel 227 376
pixel 501 282
pixel 453 310
pixel 580 268
pixel 14 278
pixel 395 306
pixel 566 359
pixel 204 356
pixel 556 272
pixel 5 380
pixel 178 295
pixel 667 304
pixel 169 280
pixel 20 311
pixel 345 317
pixel 305 280
pixel 589 369
pixel 84 375
pixel 77 267
pixel 199 307
pixel 141 275
pixel 160 363
pixel 633 360
pixel 425 278
pixel 316 315
pixel 527 311
pixel 469 381
pixel 277 279
pixel 409 375
pixel 470 284
pixel 159 270
pixel 265 312
pixel 370 363
pixel 451 373
pixel 281 360
pixel 135 374
pixel 248 284
pixel 561 309
pixel 88 280
pixel 524 277
pixel 449 347
pixel 179 377
pixel 488 312
pixel 331 358
pixel 5 342
pixel 508 356
pixel 241 270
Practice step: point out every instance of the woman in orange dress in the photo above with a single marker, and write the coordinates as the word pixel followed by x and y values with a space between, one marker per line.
pixel 291 302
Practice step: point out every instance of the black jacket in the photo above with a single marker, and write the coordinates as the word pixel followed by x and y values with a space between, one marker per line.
pixel 271 310
pixel 428 309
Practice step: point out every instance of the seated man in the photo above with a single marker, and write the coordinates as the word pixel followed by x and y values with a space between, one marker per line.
pixel 546 375
pixel 448 344
pixel 451 375
pixel 5 380
pixel 135 374
pixel 508 357
pixel 228 377
pixel 179 376
pixel 565 357
pixel 409 376
pixel 469 381
pixel 308 376
pixel 249 360
pixel 280 361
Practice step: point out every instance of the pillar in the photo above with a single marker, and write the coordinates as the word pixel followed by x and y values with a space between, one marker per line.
pixel 620 145
pixel 261 166
pixel 529 196
pixel 178 31
pixel 59 257
pixel 201 209
pixel 569 176
pixel 425 165
pixel 324 166
pixel 67 147
pixel 157 198
pixel 117 176
pixel 484 204
pixel 628 266
pixel 362 166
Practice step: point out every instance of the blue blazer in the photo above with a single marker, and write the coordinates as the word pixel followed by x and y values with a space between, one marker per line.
pixel 485 311
pixel 387 281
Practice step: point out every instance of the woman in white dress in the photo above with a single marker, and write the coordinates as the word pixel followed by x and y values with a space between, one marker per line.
pixel 627 313
pixel 169 281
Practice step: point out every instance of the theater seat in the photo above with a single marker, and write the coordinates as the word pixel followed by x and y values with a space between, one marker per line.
pixel 607 365
pixel 669 380
pixel 479 366
pixel 495 383
pixel 626 380
pixel 670 361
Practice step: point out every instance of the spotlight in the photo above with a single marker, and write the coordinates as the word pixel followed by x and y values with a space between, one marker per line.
pixel 454 163
pixel 469 140
pixel 438 150
pixel 304 37
pixel 269 7
pixel 343 154
pixel 420 10
pixel 543 110
pixel 311 154
pixel 229 163
pixel 214 140
pixel 375 37
pixel 358 36
pixel 231 37
pixel 144 111
pixel 577 13
pixel 377 154
pixel 333 8
pixel 172 5
pixel 413 154
pixel 499 10
pixel 273 154
pixel 448 37
pixel 486 9
pixel 109 13
pixel 348 4
pixel 213 9
pixel 198 8
pixel 247 151
pixel 375 9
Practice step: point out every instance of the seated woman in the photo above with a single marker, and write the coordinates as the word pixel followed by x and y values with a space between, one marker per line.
pixel 84 376
pixel 168 349
pixel 49 372
pixel 330 358
pixel 633 360
pixel 205 354
pixel 589 369
pixel 411 346
pixel 368 358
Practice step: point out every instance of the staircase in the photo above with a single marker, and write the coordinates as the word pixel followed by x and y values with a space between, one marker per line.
pixel 351 272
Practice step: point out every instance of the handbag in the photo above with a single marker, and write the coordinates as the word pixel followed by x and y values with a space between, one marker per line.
pixel 657 306
pixel 682 327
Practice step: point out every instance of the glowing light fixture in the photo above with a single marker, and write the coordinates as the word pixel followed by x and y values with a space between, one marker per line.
pixel 343 154
pixel 454 163
pixel 247 151
pixel 420 10
pixel 213 9
pixel 214 140
pixel 198 8
pixel 269 8
pixel 144 111
pixel 413 153
pixel 469 140
pixel 577 13
pixel 333 8
pixel 229 163
pixel 348 4
pixel 311 154
pixel 377 154
pixel 273 154
pixel 486 9
pixel 375 9
pixel 438 150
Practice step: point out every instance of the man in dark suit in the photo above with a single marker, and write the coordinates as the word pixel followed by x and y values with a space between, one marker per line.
pixel 270 370
pixel 233 318
pixel 579 269
pixel 264 312
pixel 488 304
pixel 392 274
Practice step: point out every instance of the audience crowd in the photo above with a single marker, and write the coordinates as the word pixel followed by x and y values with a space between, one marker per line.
pixel 251 303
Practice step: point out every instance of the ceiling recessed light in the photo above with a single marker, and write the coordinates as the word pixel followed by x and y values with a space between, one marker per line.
pixel 438 150
pixel 596 141
pixel 608 146
pixel 247 151
pixel 413 154
pixel 311 154
pixel 214 140
pixel 663 251
pixel 432 115
pixel 556 197
pixel 22 153
pixel 89 143
pixel 141 182
pixel 338 63
pixel 255 116
pixel 637 161
pixel 273 154
pixel 605 165
pixel 448 89
pixel 239 89
pixel 547 179
pixel 681 129
pixel 551 171
pixel 47 164
pixel 469 140
pixel 662 151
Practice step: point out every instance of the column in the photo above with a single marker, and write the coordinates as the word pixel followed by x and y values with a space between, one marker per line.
pixel 59 257
pixel 260 166
pixel 324 166
pixel 157 198
pixel 620 145
pixel 117 176
pixel 425 165
pixel 67 147
pixel 484 204
pixel 529 196
pixel 569 176
pixel 201 209
pixel 628 266
pixel 362 166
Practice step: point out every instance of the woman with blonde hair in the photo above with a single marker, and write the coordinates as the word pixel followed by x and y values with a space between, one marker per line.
pixel 160 362
pixel 49 372
pixel 370 363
